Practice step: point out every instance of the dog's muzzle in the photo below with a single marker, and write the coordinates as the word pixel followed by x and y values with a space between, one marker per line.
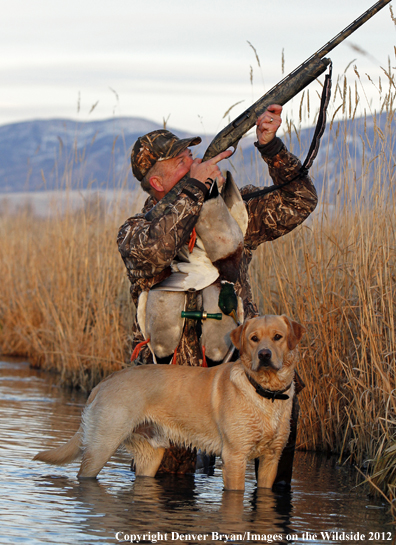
pixel 265 358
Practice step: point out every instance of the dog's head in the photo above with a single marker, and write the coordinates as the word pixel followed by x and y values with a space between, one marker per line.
pixel 264 342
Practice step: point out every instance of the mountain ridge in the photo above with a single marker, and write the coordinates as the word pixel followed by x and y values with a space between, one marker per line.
pixel 42 155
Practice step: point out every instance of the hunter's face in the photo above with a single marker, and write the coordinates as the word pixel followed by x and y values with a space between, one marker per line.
pixel 175 169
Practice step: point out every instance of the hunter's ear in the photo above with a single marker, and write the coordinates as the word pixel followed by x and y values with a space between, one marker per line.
pixel 156 183
pixel 295 332
pixel 236 336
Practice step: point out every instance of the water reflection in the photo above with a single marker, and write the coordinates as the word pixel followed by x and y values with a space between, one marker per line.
pixel 43 504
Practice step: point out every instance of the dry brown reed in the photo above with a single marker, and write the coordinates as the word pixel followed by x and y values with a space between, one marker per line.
pixel 64 300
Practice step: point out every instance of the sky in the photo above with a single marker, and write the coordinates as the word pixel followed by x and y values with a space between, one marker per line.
pixel 184 62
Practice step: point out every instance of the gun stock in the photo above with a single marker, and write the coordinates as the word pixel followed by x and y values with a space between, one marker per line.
pixel 286 89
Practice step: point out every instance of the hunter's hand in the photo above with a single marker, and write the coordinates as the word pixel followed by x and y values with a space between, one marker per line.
pixel 268 123
pixel 209 170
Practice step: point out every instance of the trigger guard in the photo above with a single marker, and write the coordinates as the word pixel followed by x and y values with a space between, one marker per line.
pixel 234 145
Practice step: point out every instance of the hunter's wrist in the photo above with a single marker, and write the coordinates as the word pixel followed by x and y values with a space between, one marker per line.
pixel 271 149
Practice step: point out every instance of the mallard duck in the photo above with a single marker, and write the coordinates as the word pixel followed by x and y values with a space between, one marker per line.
pixel 160 320
pixel 211 266
pixel 218 248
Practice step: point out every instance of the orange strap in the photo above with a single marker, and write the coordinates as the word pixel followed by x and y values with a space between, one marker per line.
pixel 136 351
pixel 192 241
pixel 204 364
pixel 174 357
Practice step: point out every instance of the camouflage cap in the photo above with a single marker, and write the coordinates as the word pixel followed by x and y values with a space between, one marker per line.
pixel 157 146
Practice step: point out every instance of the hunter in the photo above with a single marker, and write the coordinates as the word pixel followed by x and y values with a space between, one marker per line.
pixel 165 251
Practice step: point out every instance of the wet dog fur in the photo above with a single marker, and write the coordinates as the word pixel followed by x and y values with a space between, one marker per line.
pixel 215 409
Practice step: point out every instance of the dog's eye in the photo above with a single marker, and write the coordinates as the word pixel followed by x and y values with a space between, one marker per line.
pixel 277 337
pixel 254 339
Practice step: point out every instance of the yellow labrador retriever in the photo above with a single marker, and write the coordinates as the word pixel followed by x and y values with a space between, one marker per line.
pixel 238 410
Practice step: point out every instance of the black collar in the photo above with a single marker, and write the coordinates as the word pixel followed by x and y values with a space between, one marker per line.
pixel 269 394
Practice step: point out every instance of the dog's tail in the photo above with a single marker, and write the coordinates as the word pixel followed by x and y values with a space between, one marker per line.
pixel 73 449
pixel 64 454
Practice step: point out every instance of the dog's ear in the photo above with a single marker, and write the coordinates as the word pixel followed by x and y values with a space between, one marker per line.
pixel 236 337
pixel 296 331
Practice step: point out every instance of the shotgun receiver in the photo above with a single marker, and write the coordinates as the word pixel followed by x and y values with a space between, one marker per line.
pixel 286 89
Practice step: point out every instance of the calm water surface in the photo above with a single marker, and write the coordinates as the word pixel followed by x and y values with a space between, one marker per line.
pixel 47 504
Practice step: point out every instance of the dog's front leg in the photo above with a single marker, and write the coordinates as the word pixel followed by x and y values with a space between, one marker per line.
pixel 234 469
pixel 268 466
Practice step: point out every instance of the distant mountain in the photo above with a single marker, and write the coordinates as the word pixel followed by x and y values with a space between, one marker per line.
pixel 58 153
pixel 54 154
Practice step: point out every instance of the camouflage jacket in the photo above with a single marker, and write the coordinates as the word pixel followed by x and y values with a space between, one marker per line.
pixel 148 247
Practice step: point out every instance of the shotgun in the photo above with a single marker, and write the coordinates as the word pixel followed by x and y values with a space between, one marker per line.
pixel 286 89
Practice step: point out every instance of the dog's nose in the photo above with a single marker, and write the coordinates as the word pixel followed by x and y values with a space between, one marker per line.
pixel 265 356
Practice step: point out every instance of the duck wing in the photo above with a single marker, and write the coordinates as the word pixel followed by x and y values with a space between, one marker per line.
pixel 194 272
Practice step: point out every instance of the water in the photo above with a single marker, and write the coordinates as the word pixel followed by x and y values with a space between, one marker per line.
pixel 47 504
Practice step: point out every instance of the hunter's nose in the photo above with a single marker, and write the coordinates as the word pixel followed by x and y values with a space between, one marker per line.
pixel 265 356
